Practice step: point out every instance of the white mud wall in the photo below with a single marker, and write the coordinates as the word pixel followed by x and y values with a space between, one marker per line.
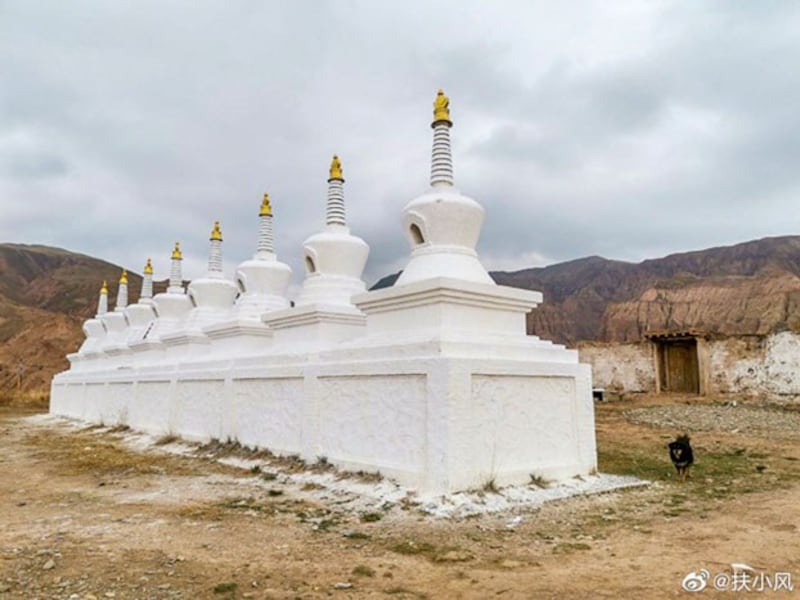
pixel 620 367
pixel 756 366
pixel 751 366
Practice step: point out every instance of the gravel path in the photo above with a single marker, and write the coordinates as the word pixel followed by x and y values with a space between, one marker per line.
pixel 732 419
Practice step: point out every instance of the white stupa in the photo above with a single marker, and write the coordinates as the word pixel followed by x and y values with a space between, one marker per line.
pixel 171 308
pixel 140 316
pixel 93 329
pixel 212 297
pixel 443 225
pixel 262 282
pixel 116 339
pixel 263 279
pixel 334 260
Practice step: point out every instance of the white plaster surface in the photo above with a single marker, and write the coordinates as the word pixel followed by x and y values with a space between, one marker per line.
pixel 269 410
pixel 367 425
pixel 433 423
pixel 756 366
pixel 198 412
pixel 619 367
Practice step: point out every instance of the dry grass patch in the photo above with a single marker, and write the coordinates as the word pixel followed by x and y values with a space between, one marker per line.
pixel 165 440
pixel 36 400
pixel 84 453
pixel 404 592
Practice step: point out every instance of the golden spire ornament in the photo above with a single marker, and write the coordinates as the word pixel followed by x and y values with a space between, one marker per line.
pixel 441 108
pixel 266 207
pixel 148 268
pixel 176 252
pixel 124 277
pixel 335 173
pixel 216 233
pixel 104 287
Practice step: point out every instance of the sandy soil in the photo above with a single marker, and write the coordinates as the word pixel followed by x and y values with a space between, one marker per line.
pixel 82 516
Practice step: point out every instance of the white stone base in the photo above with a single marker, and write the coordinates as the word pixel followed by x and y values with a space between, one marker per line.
pixel 435 423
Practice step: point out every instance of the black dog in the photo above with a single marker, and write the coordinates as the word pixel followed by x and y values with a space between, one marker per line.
pixel 680 452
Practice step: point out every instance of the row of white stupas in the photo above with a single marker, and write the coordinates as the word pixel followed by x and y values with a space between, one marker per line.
pixel 215 308
pixel 432 381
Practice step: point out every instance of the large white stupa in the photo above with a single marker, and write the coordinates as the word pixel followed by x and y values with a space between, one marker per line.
pixel 432 382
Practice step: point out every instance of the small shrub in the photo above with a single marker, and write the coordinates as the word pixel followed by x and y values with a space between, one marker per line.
pixel 410 548
pixel 169 438
pixel 538 481
pixel 371 517
pixel 364 571
pixel 491 487
pixel 225 588
pixel 326 524
pixel 569 547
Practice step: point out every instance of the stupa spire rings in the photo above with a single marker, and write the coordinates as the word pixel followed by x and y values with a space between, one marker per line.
pixel 266 241
pixel 215 254
pixel 335 209
pixel 335 172
pixel 175 272
pixel 441 155
pixel 122 292
pixel 102 303
pixel 147 281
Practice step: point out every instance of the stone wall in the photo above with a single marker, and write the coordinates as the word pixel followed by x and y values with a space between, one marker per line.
pixel 752 366
pixel 762 366
pixel 620 367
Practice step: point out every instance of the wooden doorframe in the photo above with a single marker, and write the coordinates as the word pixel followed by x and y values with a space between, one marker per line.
pixel 661 343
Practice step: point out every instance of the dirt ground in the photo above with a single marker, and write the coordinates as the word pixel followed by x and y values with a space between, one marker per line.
pixel 83 517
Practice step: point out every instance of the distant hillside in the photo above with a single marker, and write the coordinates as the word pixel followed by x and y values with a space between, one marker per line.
pixel 45 295
pixel 752 287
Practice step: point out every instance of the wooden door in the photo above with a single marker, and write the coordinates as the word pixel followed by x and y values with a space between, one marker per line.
pixel 681 373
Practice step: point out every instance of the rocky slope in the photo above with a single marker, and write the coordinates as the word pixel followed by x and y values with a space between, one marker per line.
pixel 752 287
pixel 45 295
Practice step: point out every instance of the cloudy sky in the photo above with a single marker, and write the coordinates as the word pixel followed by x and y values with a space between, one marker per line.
pixel 625 129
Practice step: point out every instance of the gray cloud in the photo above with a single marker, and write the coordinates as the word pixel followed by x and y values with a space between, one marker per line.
pixel 627 130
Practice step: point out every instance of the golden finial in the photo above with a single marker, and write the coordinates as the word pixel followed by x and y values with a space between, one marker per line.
pixel 104 287
pixel 124 277
pixel 335 173
pixel 216 233
pixel 441 108
pixel 148 268
pixel 266 207
pixel 176 253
